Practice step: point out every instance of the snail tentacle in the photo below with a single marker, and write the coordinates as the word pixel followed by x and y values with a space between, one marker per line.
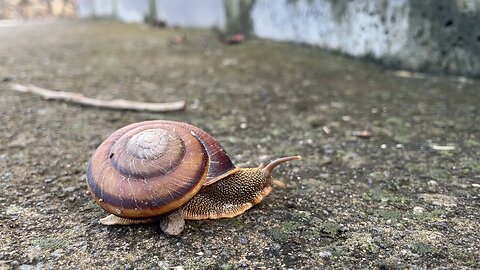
pixel 269 167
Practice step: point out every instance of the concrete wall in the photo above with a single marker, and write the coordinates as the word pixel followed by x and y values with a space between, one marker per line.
pixel 428 35
pixel 21 9
pixel 181 13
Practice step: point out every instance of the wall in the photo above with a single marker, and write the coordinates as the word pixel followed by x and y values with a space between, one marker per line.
pixel 441 36
pixel 21 9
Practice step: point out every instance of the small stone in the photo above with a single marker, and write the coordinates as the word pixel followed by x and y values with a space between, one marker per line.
pixel 418 210
pixel 208 252
pixel 69 189
pixel 362 134
pixel 48 180
pixel 383 146
pixel 163 265
pixel 441 225
pixel 57 253
pixel 26 267
pixel 327 130
pixel 199 253
pixel 325 254
pixel 14 210
pixel 324 175
pixel 243 240
pixel 432 183
pixel 6 176
pixel 346 118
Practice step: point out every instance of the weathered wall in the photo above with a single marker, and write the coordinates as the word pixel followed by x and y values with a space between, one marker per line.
pixel 435 35
pixel 428 35
pixel 188 13
pixel 21 9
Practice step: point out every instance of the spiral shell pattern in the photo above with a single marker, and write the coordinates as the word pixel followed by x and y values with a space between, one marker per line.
pixel 149 168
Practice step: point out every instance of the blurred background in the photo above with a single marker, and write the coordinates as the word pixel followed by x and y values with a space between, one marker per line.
pixel 433 36
pixel 34 9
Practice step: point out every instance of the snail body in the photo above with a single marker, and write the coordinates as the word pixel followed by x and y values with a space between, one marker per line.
pixel 170 172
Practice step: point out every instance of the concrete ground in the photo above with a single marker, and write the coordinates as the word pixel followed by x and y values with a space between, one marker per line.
pixel 406 198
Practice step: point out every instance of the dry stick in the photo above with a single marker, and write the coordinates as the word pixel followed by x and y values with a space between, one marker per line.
pixel 120 104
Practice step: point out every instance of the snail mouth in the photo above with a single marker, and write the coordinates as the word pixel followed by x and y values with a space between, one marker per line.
pixel 269 167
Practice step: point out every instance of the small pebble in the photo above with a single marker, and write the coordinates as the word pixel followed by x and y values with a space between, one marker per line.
pixel 443 147
pixel 418 209
pixel 432 183
pixel 327 130
pixel 441 225
pixel 346 118
pixel 362 134
pixel 208 252
pixel 324 175
pixel 163 265
pixel 243 240
pixel 57 253
pixel 325 254
pixel 69 189
pixel 48 180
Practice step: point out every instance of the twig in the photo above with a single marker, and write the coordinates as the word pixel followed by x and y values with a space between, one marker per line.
pixel 119 104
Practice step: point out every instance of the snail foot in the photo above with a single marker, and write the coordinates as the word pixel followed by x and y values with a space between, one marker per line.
pixel 114 220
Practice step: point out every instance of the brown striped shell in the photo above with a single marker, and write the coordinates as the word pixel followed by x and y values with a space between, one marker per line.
pixel 149 168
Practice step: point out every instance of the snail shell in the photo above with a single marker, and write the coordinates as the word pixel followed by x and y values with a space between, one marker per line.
pixel 149 168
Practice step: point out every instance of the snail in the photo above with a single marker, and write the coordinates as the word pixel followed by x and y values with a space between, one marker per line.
pixel 168 172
